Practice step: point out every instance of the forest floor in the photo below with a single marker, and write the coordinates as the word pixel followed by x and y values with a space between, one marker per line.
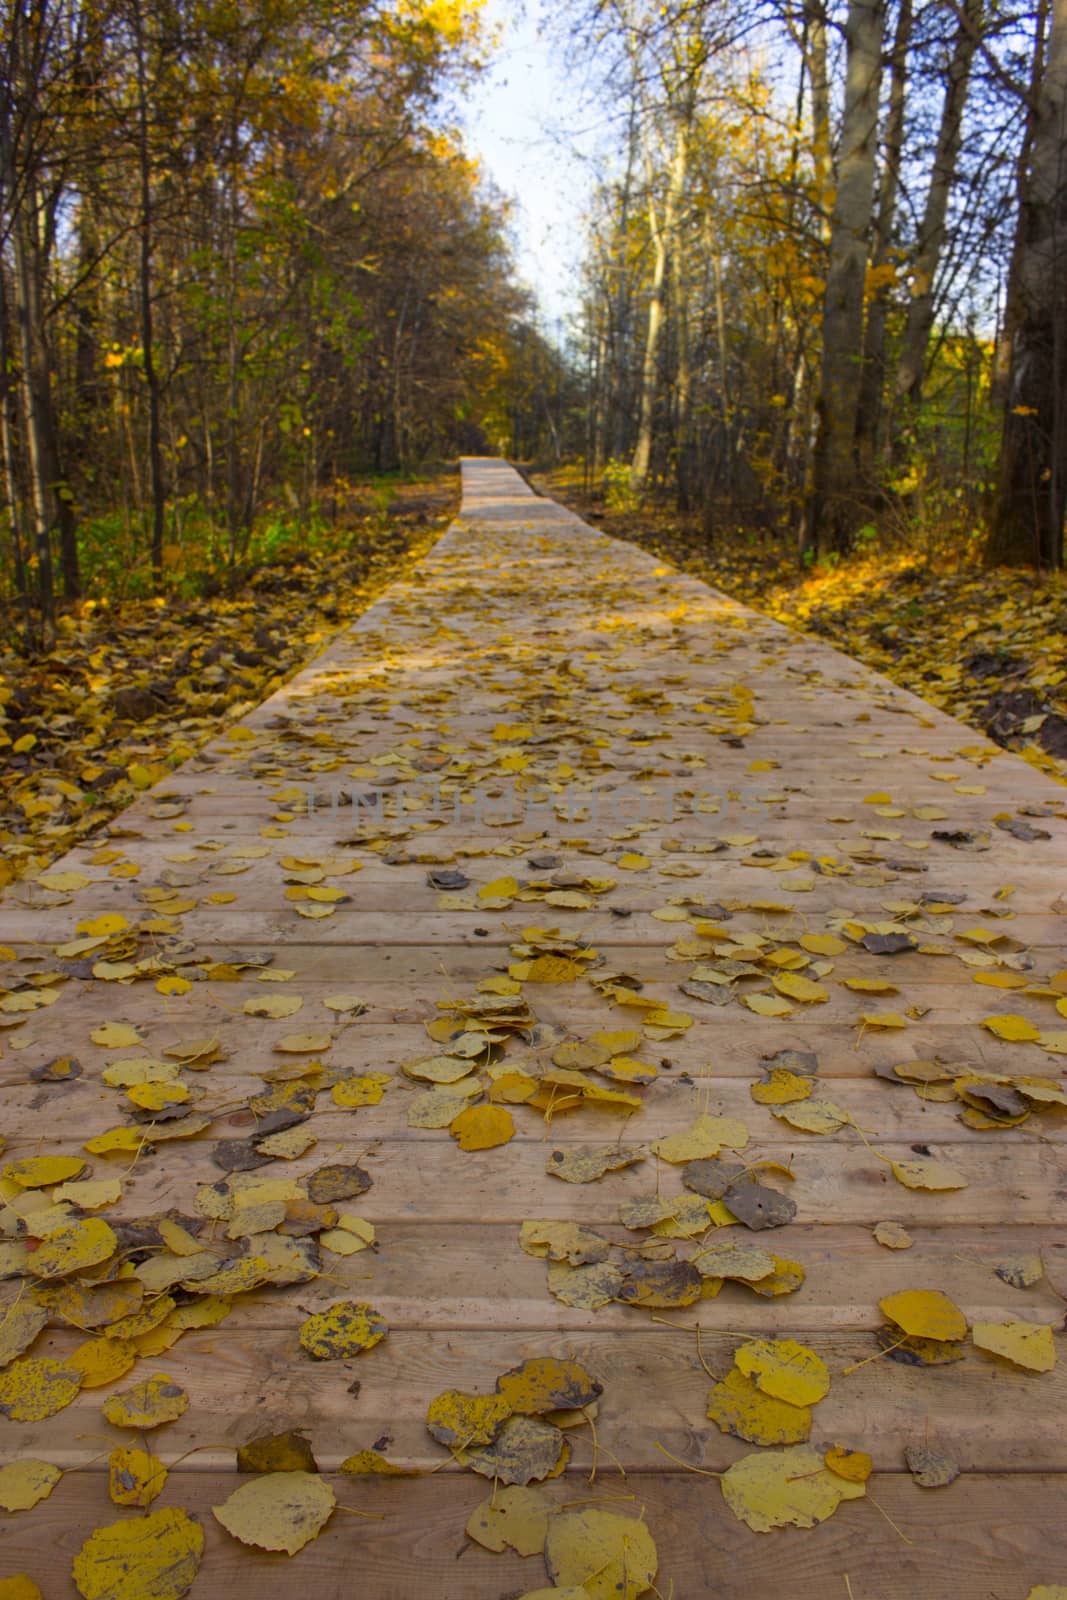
pixel 134 687
pixel 988 647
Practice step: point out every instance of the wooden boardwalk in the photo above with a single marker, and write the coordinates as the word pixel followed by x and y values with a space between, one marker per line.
pixel 544 704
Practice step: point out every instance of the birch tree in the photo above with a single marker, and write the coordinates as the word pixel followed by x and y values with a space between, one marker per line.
pixel 1031 494
pixel 832 511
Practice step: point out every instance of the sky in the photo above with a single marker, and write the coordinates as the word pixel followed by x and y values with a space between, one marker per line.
pixel 512 122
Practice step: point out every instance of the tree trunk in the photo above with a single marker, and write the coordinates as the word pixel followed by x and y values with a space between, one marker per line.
pixel 1031 497
pixel 872 379
pixel 909 380
pixel 832 502
pixel 819 78
pixel 683 385
pixel 151 372
pixel 35 394
pixel 662 240
pixel 11 486
pixel 1001 378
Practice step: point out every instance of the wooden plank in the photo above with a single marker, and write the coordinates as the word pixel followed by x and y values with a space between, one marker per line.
pixel 981 1537
pixel 899 1115
pixel 987 1416
pixel 431 1180
pixel 475 1275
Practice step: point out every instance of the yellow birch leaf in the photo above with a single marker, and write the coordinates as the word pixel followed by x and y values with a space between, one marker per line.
pixel 273 1005
pixel 278 1510
pixel 1025 1344
pixel 25 1483
pixel 854 1465
pixel 20 1324
pixel 1011 1027
pixel 173 985
pixel 513 1518
pixel 364 1091
pixel 103 927
pixel 135 1478
pixel 35 1387
pixel 927 1172
pixel 289 1144
pixel 785 1369
pixel 147 1405
pixel 499 889
pixel 785 1488
pixel 155 1557
pixel 781 1088
pixel 767 1005
pixel 822 944
pixel 813 1116
pixel 457 1420
pixel 124 1141
pixel 346 1329
pixel 739 1408
pixel 102 1361
pixel 369 1464
pixel 703 1138
pixel 482 1127
pixel 74 1248
pixel 611 1557
pixel 925 1314
pixel 41 1172
pixel 115 1035
pixel 545 1383
pixel 796 987
pixel 90 1194
pixel 303 1044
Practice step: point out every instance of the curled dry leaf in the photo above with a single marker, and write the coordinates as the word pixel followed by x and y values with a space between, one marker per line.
pixel 892 1236
pixel 525 1450
pixel 931 1469
pixel 582 1164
